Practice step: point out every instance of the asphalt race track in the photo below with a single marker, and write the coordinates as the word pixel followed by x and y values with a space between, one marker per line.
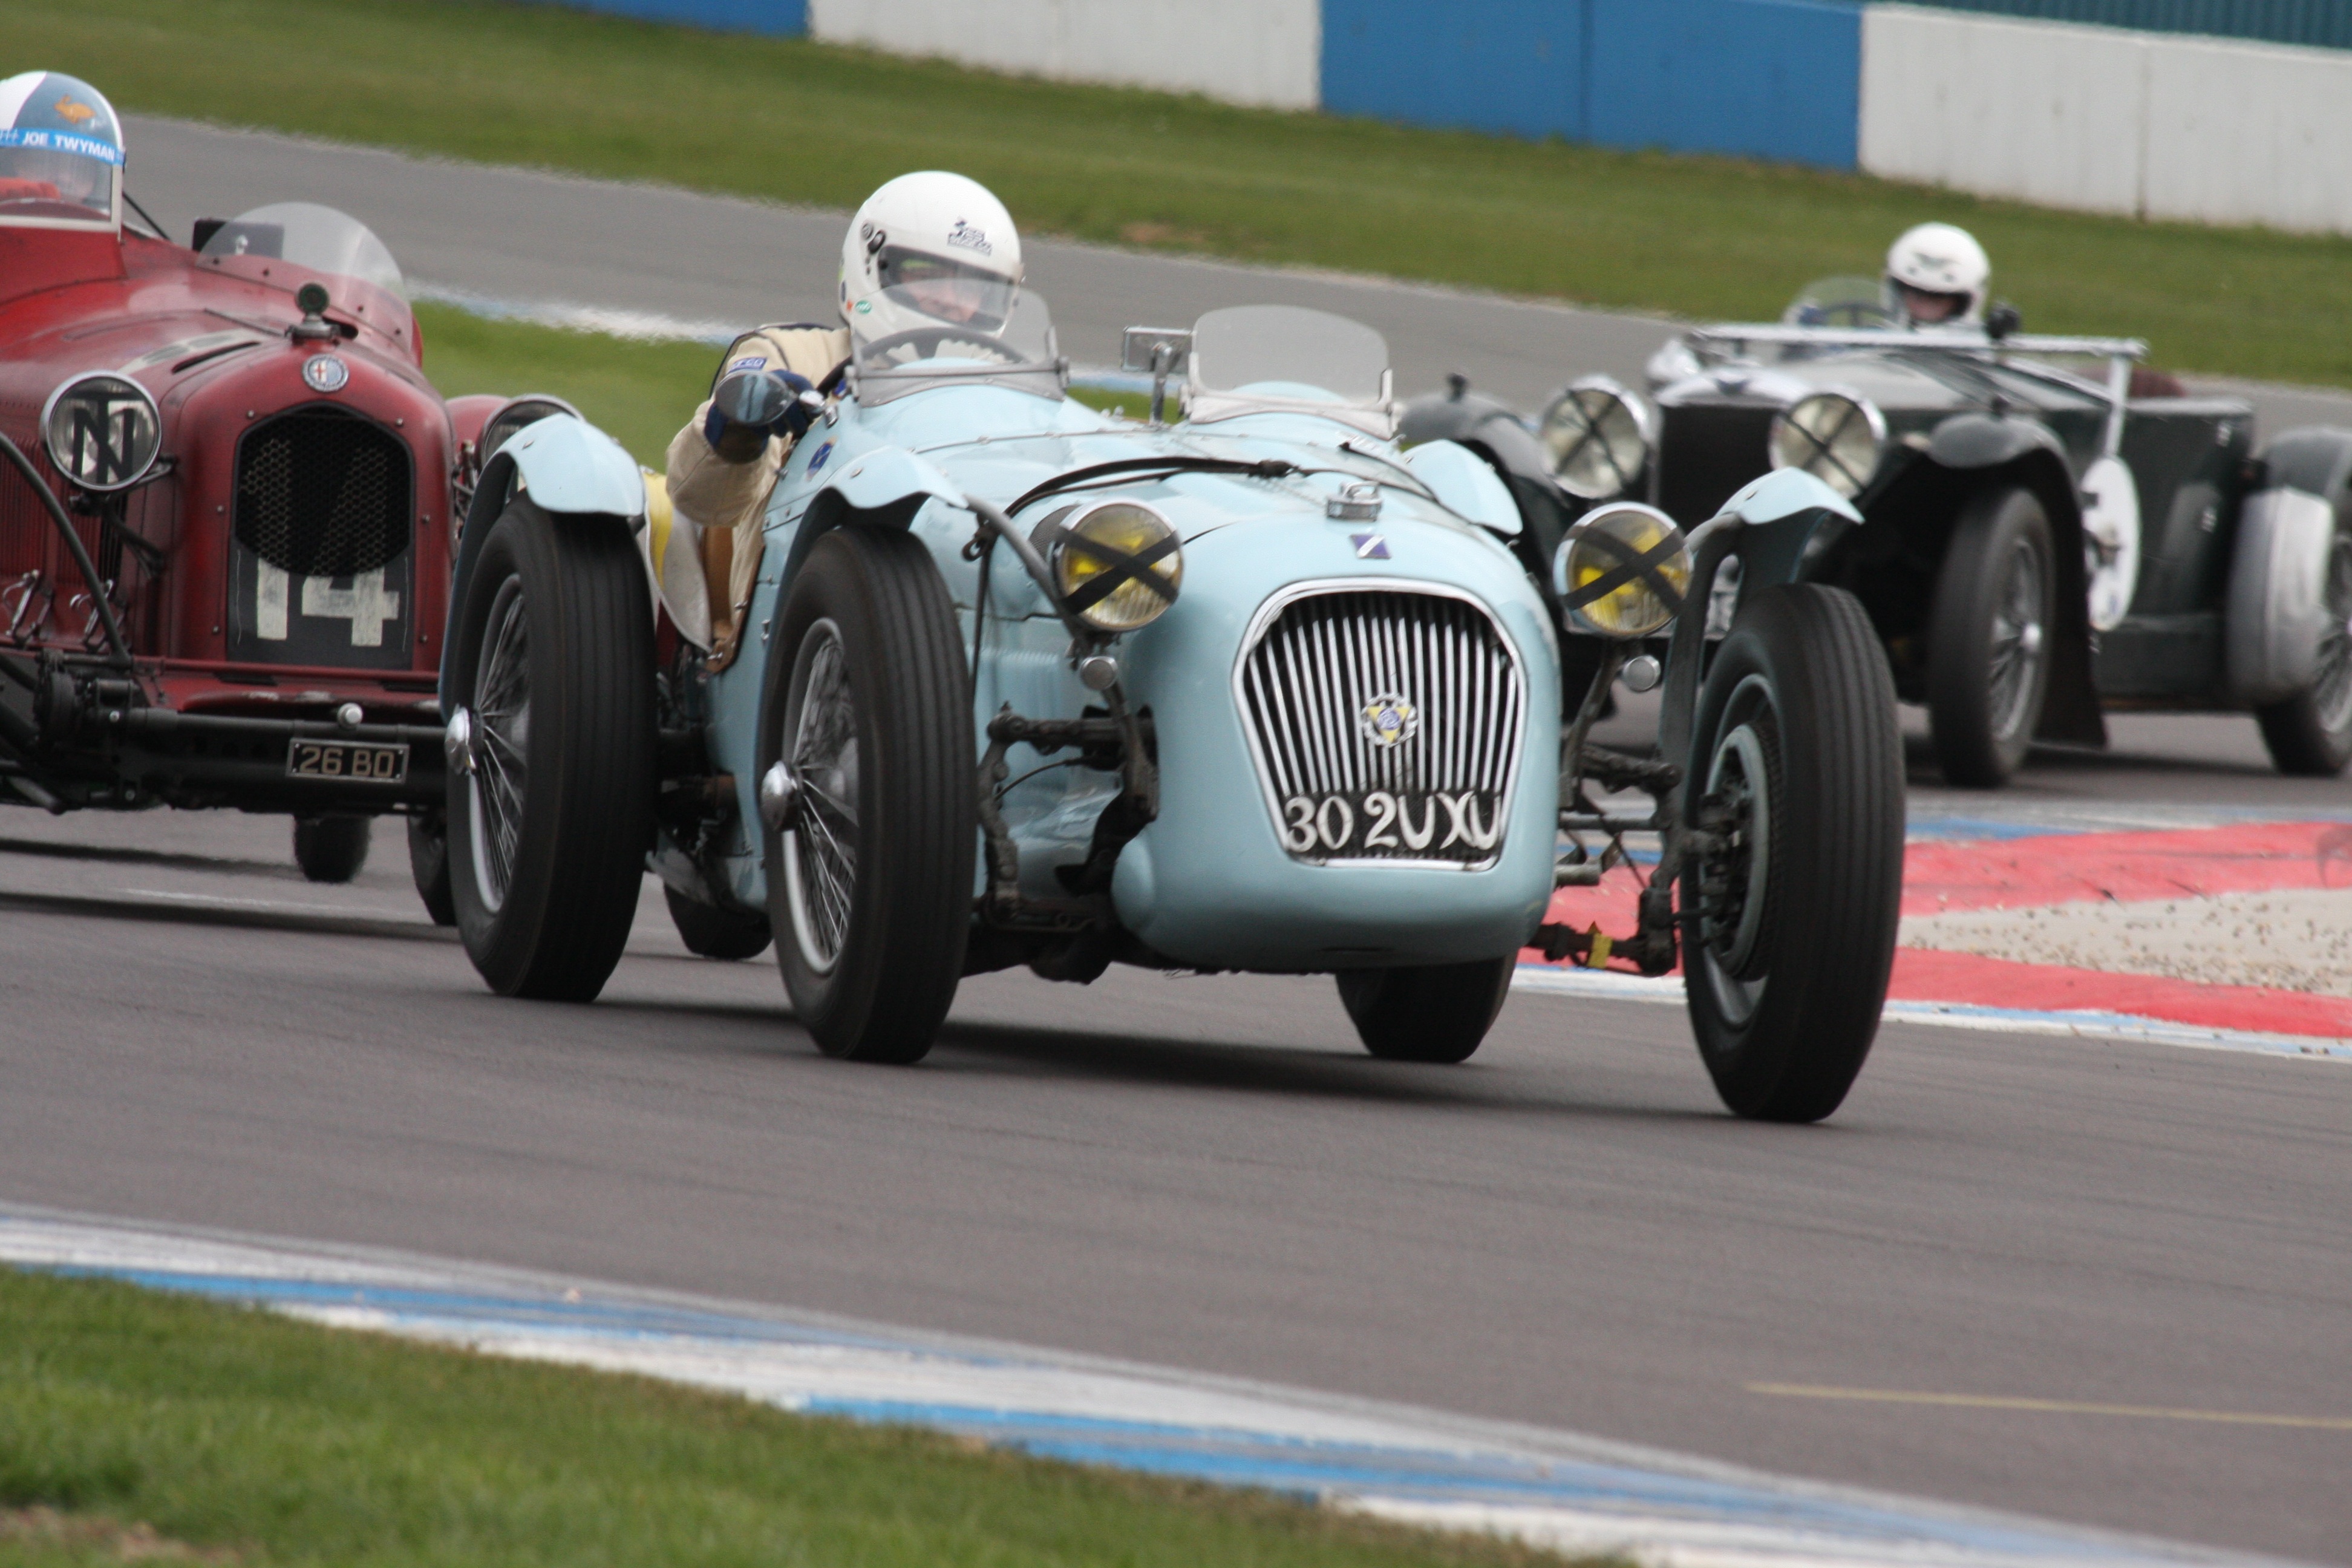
pixel 1208 1173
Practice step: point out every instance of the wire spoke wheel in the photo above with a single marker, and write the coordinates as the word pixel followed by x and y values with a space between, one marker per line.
pixel 821 848
pixel 550 804
pixel 2017 641
pixel 865 721
pixel 501 745
pixel 1990 634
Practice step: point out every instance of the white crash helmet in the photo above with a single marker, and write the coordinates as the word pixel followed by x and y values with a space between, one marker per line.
pixel 926 249
pixel 60 154
pixel 1938 258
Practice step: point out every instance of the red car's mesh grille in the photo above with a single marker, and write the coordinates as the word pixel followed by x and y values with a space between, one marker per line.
pixel 323 494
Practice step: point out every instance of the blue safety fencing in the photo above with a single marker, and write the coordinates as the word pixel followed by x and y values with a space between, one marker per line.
pixel 786 19
pixel 1764 79
pixel 2323 24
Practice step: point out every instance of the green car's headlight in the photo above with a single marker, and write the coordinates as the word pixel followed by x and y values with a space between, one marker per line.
pixel 1834 436
pixel 1624 571
pixel 1119 564
pixel 1597 435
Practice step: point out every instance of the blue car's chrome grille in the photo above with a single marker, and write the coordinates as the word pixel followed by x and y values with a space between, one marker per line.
pixel 1386 723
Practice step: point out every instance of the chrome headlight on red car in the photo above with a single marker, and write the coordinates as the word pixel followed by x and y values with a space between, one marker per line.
pixel 102 431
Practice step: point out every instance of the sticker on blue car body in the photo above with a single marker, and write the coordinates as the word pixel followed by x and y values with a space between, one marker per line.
pixel 817 458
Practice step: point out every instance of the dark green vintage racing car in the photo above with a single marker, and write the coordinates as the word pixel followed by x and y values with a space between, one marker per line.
pixel 2045 538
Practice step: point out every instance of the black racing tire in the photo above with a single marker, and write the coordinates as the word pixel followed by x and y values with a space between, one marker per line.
pixel 1433 1013
pixel 552 662
pixel 2310 734
pixel 1989 637
pixel 331 847
pixel 428 864
pixel 712 932
pixel 870 884
pixel 1797 758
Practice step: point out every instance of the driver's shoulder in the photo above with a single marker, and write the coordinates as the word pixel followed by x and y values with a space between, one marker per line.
pixel 804 348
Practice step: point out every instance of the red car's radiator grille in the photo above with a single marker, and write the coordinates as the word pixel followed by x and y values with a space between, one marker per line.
pixel 1386 725
pixel 323 494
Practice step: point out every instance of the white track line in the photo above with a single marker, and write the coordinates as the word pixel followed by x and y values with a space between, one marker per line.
pixel 1553 1488
pixel 1611 985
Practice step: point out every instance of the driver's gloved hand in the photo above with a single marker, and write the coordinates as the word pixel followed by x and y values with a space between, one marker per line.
pixel 747 406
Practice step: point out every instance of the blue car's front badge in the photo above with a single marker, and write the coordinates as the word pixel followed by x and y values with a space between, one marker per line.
pixel 1370 546
pixel 817 458
pixel 1391 721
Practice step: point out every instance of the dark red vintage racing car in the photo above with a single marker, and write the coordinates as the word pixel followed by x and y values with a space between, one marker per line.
pixel 225 500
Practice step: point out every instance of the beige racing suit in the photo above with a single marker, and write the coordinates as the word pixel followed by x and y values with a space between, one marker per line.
pixel 728 502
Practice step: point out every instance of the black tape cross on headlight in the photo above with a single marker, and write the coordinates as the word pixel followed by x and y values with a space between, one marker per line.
pixel 1119 568
pixel 1633 563
pixel 1824 444
pixel 1588 435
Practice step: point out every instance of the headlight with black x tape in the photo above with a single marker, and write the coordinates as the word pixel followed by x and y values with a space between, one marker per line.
pixel 1117 564
pixel 1597 435
pixel 1624 571
pixel 1836 436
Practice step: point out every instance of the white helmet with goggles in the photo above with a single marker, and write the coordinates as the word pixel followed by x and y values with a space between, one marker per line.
pixel 1936 273
pixel 60 154
pixel 928 251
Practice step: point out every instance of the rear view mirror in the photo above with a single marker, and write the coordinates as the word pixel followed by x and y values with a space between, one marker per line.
pixel 1157 351
pixel 1162 351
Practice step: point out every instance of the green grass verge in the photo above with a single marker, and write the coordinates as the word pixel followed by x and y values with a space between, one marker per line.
pixel 805 122
pixel 638 393
pixel 235 1431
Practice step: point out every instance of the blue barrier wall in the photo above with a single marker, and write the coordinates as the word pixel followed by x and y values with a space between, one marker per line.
pixel 788 17
pixel 1764 79
pixel 1512 66
pixel 1761 78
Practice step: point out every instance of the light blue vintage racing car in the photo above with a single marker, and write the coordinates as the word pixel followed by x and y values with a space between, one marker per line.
pixel 1022 683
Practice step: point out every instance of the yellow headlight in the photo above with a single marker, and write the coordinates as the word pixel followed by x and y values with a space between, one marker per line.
pixel 1624 571
pixel 1119 564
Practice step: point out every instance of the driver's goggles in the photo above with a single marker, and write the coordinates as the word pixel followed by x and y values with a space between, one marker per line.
pixel 1928 305
pixel 946 289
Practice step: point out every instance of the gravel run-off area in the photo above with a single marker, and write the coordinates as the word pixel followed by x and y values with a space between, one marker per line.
pixel 2288 939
